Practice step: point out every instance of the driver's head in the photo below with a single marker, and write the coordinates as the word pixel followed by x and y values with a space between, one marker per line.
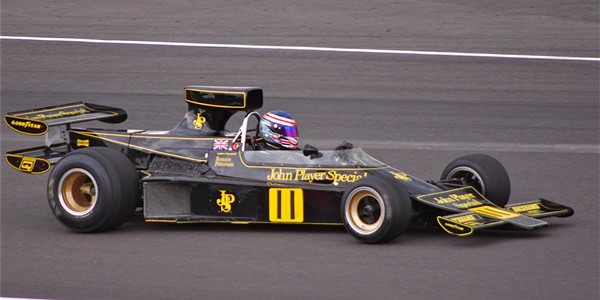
pixel 278 128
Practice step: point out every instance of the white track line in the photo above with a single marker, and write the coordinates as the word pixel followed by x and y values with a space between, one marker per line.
pixel 299 48
pixel 458 146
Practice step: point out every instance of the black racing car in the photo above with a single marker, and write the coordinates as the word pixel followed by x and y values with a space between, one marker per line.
pixel 199 172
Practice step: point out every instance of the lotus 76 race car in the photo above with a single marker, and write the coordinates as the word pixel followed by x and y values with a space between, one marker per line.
pixel 198 172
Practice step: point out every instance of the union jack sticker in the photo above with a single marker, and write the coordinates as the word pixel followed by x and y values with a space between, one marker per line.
pixel 220 145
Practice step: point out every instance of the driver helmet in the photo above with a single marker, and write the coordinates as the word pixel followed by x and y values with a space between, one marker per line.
pixel 278 129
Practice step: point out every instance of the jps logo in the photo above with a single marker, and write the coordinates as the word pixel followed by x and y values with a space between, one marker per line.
pixel 401 176
pixel 199 122
pixel 225 201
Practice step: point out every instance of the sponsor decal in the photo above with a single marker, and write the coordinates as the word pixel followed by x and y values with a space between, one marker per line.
pixel 225 201
pixel 453 227
pixel 235 146
pixel 278 174
pixel 223 161
pixel 27 164
pixel 199 122
pixel 26 126
pixel 220 145
pixel 83 143
pixel 470 220
pixel 286 205
pixel 61 114
pixel 466 200
pixel 531 208
pixel 462 198
pixel 401 176
pixel 464 219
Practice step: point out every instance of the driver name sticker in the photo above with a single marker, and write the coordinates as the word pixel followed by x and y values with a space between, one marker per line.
pixel 286 205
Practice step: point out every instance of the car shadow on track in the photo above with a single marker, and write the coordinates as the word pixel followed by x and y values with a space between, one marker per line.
pixel 414 234
pixel 137 223
pixel 483 238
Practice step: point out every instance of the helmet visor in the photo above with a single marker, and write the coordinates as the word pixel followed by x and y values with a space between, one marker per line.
pixel 289 131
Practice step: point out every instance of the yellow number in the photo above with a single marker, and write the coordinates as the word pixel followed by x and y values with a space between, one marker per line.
pixel 286 205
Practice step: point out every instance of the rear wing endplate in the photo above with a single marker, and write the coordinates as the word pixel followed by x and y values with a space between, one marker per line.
pixel 38 121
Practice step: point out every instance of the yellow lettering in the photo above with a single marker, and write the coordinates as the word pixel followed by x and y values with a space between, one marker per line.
pixel 279 174
pixel 225 201
pixel 224 162
pixel 525 207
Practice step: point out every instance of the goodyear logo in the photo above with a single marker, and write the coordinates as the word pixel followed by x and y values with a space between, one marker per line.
pixel 302 175
pixel 26 126
pixel 454 226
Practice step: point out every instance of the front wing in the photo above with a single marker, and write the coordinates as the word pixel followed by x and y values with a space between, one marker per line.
pixel 472 211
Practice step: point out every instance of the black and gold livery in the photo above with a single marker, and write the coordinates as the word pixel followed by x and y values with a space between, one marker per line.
pixel 199 172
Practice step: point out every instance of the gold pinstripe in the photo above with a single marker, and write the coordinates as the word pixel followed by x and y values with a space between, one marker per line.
pixel 142 148
pixel 216 92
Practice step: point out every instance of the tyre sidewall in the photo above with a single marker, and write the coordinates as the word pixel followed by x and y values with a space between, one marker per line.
pixel 111 204
pixel 396 212
pixel 491 172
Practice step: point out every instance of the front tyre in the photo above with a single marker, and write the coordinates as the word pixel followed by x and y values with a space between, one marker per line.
pixel 93 189
pixel 376 211
pixel 484 173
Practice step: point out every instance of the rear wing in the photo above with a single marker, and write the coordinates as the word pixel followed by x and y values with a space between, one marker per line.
pixel 38 121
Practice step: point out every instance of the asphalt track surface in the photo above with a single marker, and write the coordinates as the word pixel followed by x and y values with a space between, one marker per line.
pixel 540 118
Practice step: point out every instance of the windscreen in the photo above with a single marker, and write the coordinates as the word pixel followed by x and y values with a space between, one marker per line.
pixel 351 158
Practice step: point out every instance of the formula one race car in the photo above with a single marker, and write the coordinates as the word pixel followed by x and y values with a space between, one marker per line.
pixel 198 172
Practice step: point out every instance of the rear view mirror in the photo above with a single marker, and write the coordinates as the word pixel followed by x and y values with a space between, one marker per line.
pixel 311 151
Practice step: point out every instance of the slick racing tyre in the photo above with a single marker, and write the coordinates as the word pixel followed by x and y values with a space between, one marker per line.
pixel 93 189
pixel 484 173
pixel 376 211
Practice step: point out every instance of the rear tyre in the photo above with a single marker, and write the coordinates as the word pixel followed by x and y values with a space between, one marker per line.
pixel 93 189
pixel 376 211
pixel 484 173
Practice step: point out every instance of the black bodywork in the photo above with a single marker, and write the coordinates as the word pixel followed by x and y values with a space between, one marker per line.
pixel 198 172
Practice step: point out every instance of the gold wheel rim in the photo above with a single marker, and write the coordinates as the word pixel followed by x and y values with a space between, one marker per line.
pixel 78 192
pixel 356 206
